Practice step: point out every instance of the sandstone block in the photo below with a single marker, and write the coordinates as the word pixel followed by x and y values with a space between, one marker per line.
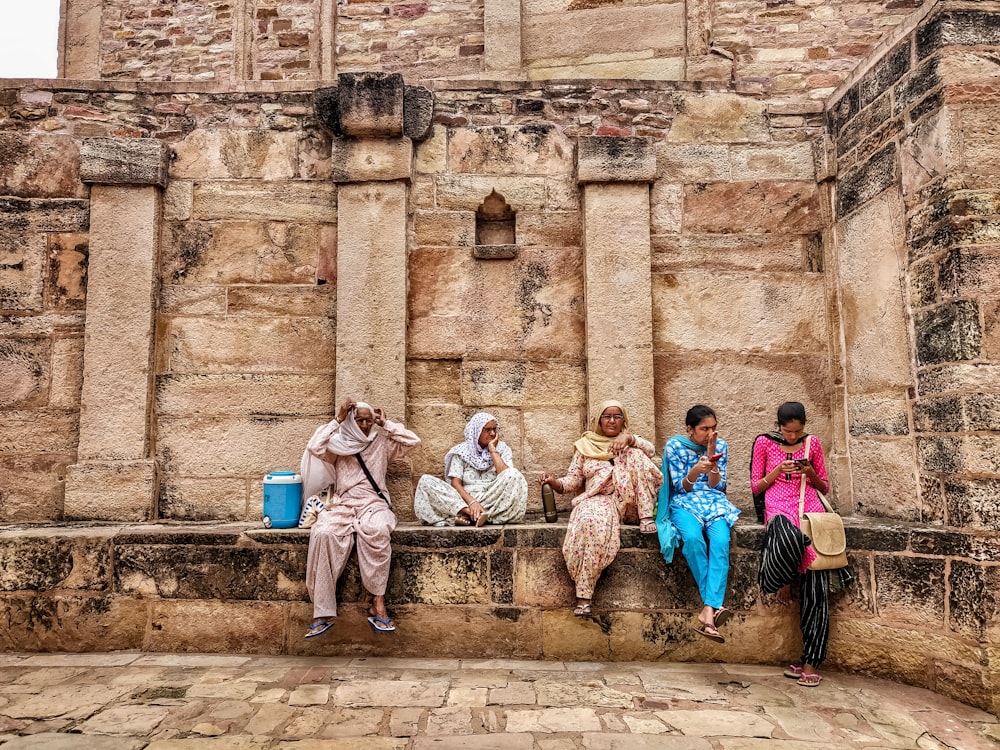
pixel 124 161
pixel 864 182
pixel 444 228
pixel 371 159
pixel 279 201
pixel 431 155
pixel 549 435
pixel 372 264
pixel 183 499
pixel 601 31
pixel 111 491
pixel 911 590
pixel 32 431
pixel 718 118
pixel 250 344
pixel 178 198
pixel 971 273
pixel 72 622
pixel 878 414
pixel 446 577
pixel 66 285
pixel 928 152
pixel 752 207
pixel 793 161
pixel 665 208
pixel 972 610
pixel 40 166
pixel 524 384
pixel 370 104
pixel 216 626
pixel 466 192
pixel 959 376
pixel 502 36
pixel 549 228
pixel 44 215
pixel 55 559
pixel 438 380
pixel 205 572
pixel 948 333
pixel 637 66
pixel 22 271
pixel 609 159
pixel 537 149
pixel 192 300
pixel 231 447
pixel 878 357
pixel 771 252
pixel 301 301
pixel 245 394
pixel 230 154
pixel 884 478
pixel 418 112
pixel 541 579
pixel 243 252
pixel 32 487
pixel 536 309
pixel 24 371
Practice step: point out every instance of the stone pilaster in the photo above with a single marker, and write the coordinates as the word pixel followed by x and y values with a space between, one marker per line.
pixel 615 173
pixel 114 477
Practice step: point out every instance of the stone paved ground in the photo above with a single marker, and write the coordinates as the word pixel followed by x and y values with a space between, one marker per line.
pixel 128 701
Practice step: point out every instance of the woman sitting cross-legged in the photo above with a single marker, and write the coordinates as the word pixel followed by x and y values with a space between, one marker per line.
pixel 482 484
pixel 695 466
pixel 619 480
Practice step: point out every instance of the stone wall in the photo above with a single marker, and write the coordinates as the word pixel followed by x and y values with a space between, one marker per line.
pixel 236 590
pixel 782 50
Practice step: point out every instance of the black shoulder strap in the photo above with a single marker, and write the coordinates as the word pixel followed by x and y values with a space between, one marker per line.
pixel 368 474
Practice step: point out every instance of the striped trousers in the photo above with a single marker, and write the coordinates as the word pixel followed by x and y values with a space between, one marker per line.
pixel 784 545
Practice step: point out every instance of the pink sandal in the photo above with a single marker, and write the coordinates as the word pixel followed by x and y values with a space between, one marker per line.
pixel 794 671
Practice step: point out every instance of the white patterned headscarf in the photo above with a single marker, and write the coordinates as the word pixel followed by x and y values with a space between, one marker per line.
pixel 470 451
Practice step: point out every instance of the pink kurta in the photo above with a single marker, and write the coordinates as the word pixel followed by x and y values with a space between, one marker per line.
pixel 360 512
pixel 592 535
pixel 782 497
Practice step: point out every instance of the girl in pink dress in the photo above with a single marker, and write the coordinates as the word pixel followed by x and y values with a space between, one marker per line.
pixel 778 468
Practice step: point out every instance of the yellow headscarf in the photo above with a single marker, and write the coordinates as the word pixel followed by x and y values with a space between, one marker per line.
pixel 593 444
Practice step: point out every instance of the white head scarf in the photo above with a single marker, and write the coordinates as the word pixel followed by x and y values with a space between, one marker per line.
pixel 470 451
pixel 350 438
pixel 344 439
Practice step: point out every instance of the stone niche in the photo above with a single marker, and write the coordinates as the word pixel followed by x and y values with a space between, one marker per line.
pixel 496 229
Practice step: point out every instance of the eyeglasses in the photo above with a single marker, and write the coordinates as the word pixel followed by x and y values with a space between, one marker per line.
pixel 614 417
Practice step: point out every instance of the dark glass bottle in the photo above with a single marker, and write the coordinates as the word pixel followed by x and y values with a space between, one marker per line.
pixel 549 504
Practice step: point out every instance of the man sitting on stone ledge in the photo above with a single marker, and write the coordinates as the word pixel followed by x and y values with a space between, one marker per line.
pixel 350 457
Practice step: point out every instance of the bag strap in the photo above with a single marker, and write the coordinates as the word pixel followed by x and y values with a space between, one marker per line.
pixel 802 486
pixel 368 474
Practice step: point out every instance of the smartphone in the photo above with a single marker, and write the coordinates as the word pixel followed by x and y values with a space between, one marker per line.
pixel 715 458
pixel 802 462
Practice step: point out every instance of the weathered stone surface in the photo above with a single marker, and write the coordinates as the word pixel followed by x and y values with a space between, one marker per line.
pixel 886 72
pixel 418 112
pixel 792 161
pixel 251 201
pixel 706 723
pixel 751 207
pixel 46 561
pixel 959 376
pixel 440 427
pixel 524 384
pixel 216 626
pixel 69 621
pixel 972 503
pixel 718 118
pixel 22 276
pixel 208 572
pixel 371 344
pixel 549 435
pixel 615 267
pixel 40 166
pixel 878 414
pixel 454 577
pixel 536 305
pixel 693 162
pixel 207 500
pixel 948 333
pixel 740 252
pixel 124 161
pixel 38 431
pixel 230 154
pixel 249 345
pixel 537 149
pixel 371 159
pixel 214 446
pixel 928 152
pixel 119 490
pixel 370 104
pixel 466 192
pixel 911 589
pixel 610 159
pixel 31 486
pixel 245 394
pixel 577 35
pixel 24 371
pixel 445 228
pixel 972 610
pixel 960 27
pixel 242 252
pixel 66 284
pixel 861 184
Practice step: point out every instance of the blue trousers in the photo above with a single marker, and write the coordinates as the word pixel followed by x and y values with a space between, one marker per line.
pixel 706 549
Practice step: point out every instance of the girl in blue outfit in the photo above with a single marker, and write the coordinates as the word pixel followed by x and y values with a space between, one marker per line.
pixel 693 496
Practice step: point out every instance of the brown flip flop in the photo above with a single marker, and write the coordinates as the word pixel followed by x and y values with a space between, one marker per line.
pixel 716 636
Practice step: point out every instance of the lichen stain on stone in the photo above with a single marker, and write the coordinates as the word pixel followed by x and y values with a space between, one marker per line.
pixel 244 156
pixel 589 4
pixel 659 630
pixel 191 241
pixel 534 278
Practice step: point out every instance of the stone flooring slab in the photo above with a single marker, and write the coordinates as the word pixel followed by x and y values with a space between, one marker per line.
pixel 218 702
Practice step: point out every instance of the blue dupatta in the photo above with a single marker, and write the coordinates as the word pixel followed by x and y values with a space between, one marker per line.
pixel 665 530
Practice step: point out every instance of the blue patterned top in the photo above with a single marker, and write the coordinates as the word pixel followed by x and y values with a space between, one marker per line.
pixel 706 503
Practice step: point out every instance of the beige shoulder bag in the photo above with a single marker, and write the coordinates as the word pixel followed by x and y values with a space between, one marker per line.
pixel 826 530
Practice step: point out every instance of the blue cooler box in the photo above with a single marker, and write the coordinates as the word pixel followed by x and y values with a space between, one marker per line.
pixel 282 499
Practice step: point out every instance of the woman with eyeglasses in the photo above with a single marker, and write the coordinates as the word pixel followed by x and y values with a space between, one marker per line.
pixel 618 478
pixel 481 484
pixel 694 495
